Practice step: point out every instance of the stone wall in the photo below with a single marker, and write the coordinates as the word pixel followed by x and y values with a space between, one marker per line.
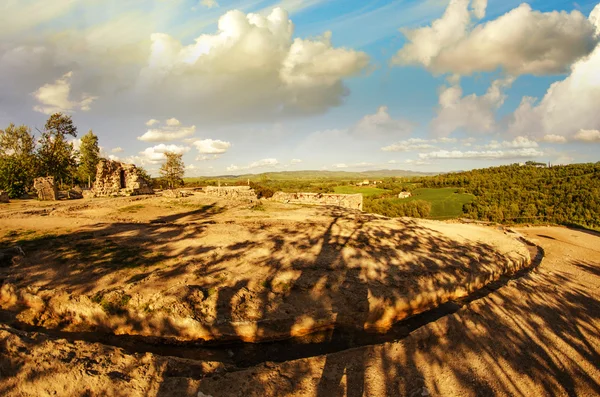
pixel 118 179
pixel 232 192
pixel 45 188
pixel 353 201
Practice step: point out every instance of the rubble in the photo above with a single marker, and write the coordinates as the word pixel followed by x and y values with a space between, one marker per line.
pixel 114 178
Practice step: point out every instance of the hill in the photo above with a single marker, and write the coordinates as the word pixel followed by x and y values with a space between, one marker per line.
pixel 324 175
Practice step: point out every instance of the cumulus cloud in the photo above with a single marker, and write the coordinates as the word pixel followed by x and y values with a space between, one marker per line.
pixel 55 97
pixel 482 155
pixel 588 136
pixel 117 150
pixel 210 146
pixel 569 106
pixel 171 131
pixel 382 124
pixel 156 154
pixel 257 164
pixel 519 142
pixel 472 113
pixel 251 67
pixel 552 138
pixel 340 165
pixel 522 41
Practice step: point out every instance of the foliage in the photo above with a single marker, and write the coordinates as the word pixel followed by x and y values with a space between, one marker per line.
pixel 89 156
pixel 262 190
pixel 173 169
pixel 445 202
pixel 56 156
pixel 17 160
pixel 533 193
pixel 144 174
pixel 397 207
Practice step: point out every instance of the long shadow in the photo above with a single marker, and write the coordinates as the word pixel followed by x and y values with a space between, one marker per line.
pixel 334 275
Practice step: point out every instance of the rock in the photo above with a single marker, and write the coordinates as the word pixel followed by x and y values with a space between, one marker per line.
pixel 3 197
pixel 175 193
pixel 46 189
pixel 118 179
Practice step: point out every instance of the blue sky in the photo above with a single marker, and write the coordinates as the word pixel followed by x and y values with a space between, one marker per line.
pixel 255 86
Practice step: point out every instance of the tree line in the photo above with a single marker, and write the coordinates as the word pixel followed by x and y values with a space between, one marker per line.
pixel 531 193
pixel 23 157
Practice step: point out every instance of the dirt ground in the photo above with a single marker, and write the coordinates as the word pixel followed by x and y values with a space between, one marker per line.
pixel 215 270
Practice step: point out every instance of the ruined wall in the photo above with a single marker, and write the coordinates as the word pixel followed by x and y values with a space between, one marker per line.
pixel 4 197
pixel 45 188
pixel 232 192
pixel 118 179
pixel 353 201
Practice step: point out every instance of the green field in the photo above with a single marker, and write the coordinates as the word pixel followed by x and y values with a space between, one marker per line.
pixel 366 191
pixel 445 203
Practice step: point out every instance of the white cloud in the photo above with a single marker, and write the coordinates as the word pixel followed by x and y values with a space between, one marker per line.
pixel 483 155
pixel 340 165
pixel 521 41
pixel 251 67
pixel 257 164
pixel 117 150
pixel 156 154
pixel 472 113
pixel 412 144
pixel 54 97
pixel 588 136
pixel 210 146
pixel 381 124
pixel 551 138
pixel 113 157
pixel 171 131
pixel 295 161
pixel 569 106
pixel 209 3
pixel 519 142
pixel 207 158
pixel 173 122
pixel 478 7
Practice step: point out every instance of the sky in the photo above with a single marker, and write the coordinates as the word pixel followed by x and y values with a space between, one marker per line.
pixel 257 86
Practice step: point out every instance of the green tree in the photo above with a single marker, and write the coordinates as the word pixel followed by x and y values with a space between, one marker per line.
pixel 172 170
pixel 17 160
pixel 89 156
pixel 56 156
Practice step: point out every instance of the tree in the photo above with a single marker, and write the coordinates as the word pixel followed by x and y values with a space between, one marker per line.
pixel 17 160
pixel 173 170
pixel 89 156
pixel 56 156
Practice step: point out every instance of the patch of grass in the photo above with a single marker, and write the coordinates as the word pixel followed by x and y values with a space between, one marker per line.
pixel 258 207
pixel 445 202
pixel 211 291
pixel 366 191
pixel 131 209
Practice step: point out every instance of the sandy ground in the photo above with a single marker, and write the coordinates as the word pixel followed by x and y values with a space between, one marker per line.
pixel 191 269
pixel 537 335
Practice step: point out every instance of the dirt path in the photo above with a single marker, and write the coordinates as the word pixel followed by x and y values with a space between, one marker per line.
pixel 538 335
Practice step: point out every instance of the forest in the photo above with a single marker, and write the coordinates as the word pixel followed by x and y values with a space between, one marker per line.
pixel 531 193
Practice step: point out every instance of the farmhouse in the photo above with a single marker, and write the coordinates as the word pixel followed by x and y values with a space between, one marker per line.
pixel 404 195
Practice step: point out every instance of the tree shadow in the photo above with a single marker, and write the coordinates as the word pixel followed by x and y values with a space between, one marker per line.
pixel 330 284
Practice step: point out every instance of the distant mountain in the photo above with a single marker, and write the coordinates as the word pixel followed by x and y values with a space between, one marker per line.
pixel 284 175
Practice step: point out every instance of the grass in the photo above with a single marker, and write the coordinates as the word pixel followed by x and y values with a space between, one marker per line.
pixel 366 191
pixel 445 202
pixel 131 208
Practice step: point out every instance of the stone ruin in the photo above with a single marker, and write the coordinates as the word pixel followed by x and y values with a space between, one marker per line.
pixel 232 192
pixel 114 178
pixel 352 201
pixel 45 188
pixel 4 197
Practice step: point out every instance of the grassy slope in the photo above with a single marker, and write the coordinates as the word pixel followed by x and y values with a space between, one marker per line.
pixel 317 175
pixel 445 203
